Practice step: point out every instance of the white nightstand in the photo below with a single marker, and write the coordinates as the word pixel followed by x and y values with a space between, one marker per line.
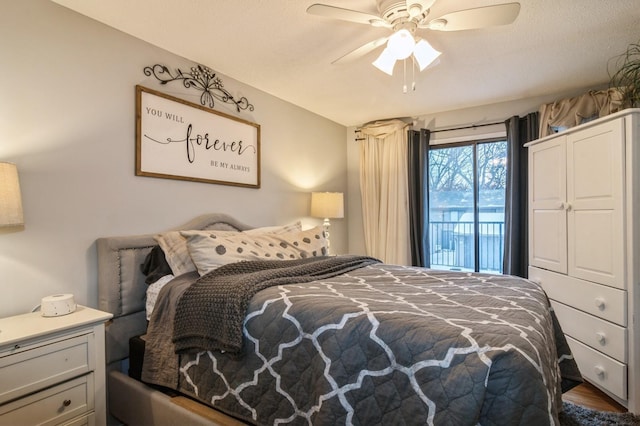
pixel 52 369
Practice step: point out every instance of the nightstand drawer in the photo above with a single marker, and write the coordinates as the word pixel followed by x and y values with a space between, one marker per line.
pixel 52 406
pixel 31 368
pixel 88 420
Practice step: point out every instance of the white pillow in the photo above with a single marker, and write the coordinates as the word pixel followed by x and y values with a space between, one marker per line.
pixel 152 293
pixel 174 245
pixel 211 249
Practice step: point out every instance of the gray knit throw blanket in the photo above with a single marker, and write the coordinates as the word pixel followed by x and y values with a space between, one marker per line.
pixel 210 314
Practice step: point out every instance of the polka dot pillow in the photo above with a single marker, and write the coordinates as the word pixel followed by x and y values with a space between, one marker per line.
pixel 176 252
pixel 212 249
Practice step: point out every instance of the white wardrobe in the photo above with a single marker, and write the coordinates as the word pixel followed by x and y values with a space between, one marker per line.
pixel 584 245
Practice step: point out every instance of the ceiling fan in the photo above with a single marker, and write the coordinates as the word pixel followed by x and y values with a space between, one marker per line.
pixel 405 18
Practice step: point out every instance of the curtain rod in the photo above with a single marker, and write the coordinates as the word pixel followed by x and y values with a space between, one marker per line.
pixel 473 126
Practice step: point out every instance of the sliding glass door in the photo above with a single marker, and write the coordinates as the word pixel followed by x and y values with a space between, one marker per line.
pixel 466 205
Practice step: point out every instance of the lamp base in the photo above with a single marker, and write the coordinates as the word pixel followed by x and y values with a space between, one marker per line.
pixel 325 226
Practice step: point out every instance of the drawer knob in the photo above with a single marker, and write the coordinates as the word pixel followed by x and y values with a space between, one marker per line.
pixel 602 338
pixel 600 303
pixel 600 372
pixel 66 402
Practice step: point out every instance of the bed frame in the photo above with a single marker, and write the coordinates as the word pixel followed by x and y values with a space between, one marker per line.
pixel 122 291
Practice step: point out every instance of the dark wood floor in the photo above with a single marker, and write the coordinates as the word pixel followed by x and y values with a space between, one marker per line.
pixel 589 396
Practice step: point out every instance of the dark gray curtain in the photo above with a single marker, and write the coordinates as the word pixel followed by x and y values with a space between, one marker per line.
pixel 520 130
pixel 419 197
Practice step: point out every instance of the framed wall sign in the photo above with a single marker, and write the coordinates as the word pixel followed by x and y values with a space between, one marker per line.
pixel 177 139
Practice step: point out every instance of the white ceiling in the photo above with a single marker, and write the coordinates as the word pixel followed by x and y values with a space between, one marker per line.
pixel 554 46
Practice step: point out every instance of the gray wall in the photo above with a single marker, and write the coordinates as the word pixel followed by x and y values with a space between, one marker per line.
pixel 67 119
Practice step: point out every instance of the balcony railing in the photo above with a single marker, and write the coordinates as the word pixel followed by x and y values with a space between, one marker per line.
pixel 452 245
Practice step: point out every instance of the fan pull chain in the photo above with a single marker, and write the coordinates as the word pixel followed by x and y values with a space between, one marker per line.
pixel 413 75
pixel 404 87
pixel 413 69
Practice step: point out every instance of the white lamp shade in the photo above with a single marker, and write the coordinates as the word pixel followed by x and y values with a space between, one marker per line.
pixel 425 54
pixel 10 200
pixel 385 62
pixel 401 44
pixel 328 205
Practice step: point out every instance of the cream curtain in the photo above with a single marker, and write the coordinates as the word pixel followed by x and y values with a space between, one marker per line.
pixel 384 191
pixel 570 112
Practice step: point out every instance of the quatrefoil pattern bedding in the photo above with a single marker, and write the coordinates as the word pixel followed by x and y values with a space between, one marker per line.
pixel 381 345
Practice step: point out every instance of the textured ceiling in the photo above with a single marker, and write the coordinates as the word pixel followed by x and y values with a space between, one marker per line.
pixel 554 46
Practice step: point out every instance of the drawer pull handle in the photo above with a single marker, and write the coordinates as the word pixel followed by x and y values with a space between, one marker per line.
pixel 67 402
pixel 600 303
pixel 602 338
pixel 599 372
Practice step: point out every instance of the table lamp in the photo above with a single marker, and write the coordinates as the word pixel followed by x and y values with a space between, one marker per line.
pixel 327 205
pixel 10 200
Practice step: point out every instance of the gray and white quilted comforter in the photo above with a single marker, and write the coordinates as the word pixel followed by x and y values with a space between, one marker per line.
pixel 378 345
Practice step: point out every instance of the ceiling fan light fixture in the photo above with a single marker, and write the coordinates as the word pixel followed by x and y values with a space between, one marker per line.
pixel 401 44
pixel 425 54
pixel 385 62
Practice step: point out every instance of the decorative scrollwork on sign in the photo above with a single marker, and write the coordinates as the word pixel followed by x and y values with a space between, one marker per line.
pixel 200 78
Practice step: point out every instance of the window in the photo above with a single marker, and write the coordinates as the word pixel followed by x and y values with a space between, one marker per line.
pixel 466 205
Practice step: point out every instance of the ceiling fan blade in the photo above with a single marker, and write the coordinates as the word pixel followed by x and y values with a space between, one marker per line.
pixel 481 17
pixel 361 51
pixel 345 14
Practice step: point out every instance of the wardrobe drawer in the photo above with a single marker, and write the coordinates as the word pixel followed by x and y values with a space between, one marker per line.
pixel 31 368
pixel 605 302
pixel 52 406
pixel 599 369
pixel 601 335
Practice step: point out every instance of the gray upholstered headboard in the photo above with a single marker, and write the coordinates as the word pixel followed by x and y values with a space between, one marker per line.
pixel 121 284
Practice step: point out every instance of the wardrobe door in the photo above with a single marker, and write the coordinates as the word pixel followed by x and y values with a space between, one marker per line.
pixel 595 188
pixel 547 201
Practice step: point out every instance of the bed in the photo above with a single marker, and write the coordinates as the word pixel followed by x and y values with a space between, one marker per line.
pixel 278 332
